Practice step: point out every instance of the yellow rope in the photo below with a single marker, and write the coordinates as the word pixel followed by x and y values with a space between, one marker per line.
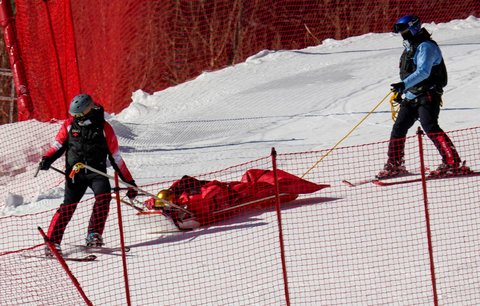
pixel 394 106
pixel 346 136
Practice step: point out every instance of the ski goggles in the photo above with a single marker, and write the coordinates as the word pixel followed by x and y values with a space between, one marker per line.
pixel 79 115
pixel 400 27
pixel 84 113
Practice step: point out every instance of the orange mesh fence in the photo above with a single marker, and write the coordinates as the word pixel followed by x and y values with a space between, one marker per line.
pixel 112 48
pixel 34 281
pixel 19 161
pixel 366 244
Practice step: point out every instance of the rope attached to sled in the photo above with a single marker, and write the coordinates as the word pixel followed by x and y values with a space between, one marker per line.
pixel 346 136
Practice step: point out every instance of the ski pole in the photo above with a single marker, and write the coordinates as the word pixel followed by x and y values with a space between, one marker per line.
pixel 131 204
pixel 58 170
pixel 36 172
pixel 78 166
pixel 51 167
pixel 123 201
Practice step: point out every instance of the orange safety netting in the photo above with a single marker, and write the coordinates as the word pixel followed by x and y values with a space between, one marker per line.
pixel 111 48
pixel 367 244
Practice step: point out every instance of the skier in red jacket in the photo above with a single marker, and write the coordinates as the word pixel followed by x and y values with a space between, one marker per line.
pixel 85 138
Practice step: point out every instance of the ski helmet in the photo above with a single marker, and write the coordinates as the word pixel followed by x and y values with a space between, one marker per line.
pixel 409 22
pixel 164 195
pixel 80 105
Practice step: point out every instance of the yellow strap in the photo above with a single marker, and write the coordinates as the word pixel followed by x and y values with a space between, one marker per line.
pixel 394 106
pixel 75 169
pixel 346 136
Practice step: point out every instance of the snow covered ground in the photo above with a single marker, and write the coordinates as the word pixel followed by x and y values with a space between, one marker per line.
pixel 297 100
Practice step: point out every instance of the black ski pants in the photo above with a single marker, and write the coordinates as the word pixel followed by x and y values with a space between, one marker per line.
pixel 426 109
pixel 74 191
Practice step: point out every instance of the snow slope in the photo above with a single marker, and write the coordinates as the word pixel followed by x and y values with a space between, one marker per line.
pixel 297 100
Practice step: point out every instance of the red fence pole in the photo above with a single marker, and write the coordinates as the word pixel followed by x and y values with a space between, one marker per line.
pixel 427 217
pixel 280 229
pixel 122 240
pixel 24 101
pixel 57 59
pixel 65 267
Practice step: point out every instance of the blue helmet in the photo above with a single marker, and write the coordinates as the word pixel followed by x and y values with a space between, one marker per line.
pixel 409 22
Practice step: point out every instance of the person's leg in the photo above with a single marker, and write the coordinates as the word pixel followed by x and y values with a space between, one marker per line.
pixel 73 194
pixel 102 190
pixel 406 117
pixel 428 115
pixel 446 149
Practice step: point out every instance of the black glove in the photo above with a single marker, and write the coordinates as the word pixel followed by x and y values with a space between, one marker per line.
pixel 45 163
pixel 398 87
pixel 132 192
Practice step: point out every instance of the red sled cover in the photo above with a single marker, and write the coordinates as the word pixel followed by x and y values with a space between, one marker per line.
pixel 212 201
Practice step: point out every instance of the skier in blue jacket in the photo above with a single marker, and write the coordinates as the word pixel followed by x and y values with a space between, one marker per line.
pixel 423 74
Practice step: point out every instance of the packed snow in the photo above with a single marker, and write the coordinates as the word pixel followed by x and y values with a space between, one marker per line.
pixel 293 100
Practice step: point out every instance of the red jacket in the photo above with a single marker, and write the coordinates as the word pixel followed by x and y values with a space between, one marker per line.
pixel 99 146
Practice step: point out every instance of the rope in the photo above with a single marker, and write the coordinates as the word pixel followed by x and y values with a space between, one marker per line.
pixel 346 136
pixel 394 106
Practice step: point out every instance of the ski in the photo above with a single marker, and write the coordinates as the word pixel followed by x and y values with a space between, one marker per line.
pixel 419 179
pixel 89 257
pixel 374 180
pixel 165 232
pixel 384 183
pixel 86 258
pixel 171 216
pixel 358 183
pixel 100 249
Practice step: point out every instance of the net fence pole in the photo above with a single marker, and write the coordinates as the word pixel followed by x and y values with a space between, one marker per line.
pixel 427 216
pixel 280 229
pixel 122 240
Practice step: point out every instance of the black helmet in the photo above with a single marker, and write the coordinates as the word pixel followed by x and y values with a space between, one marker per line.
pixel 80 105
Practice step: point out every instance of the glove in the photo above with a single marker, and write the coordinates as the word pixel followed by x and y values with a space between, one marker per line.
pixel 45 163
pixel 132 192
pixel 398 87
